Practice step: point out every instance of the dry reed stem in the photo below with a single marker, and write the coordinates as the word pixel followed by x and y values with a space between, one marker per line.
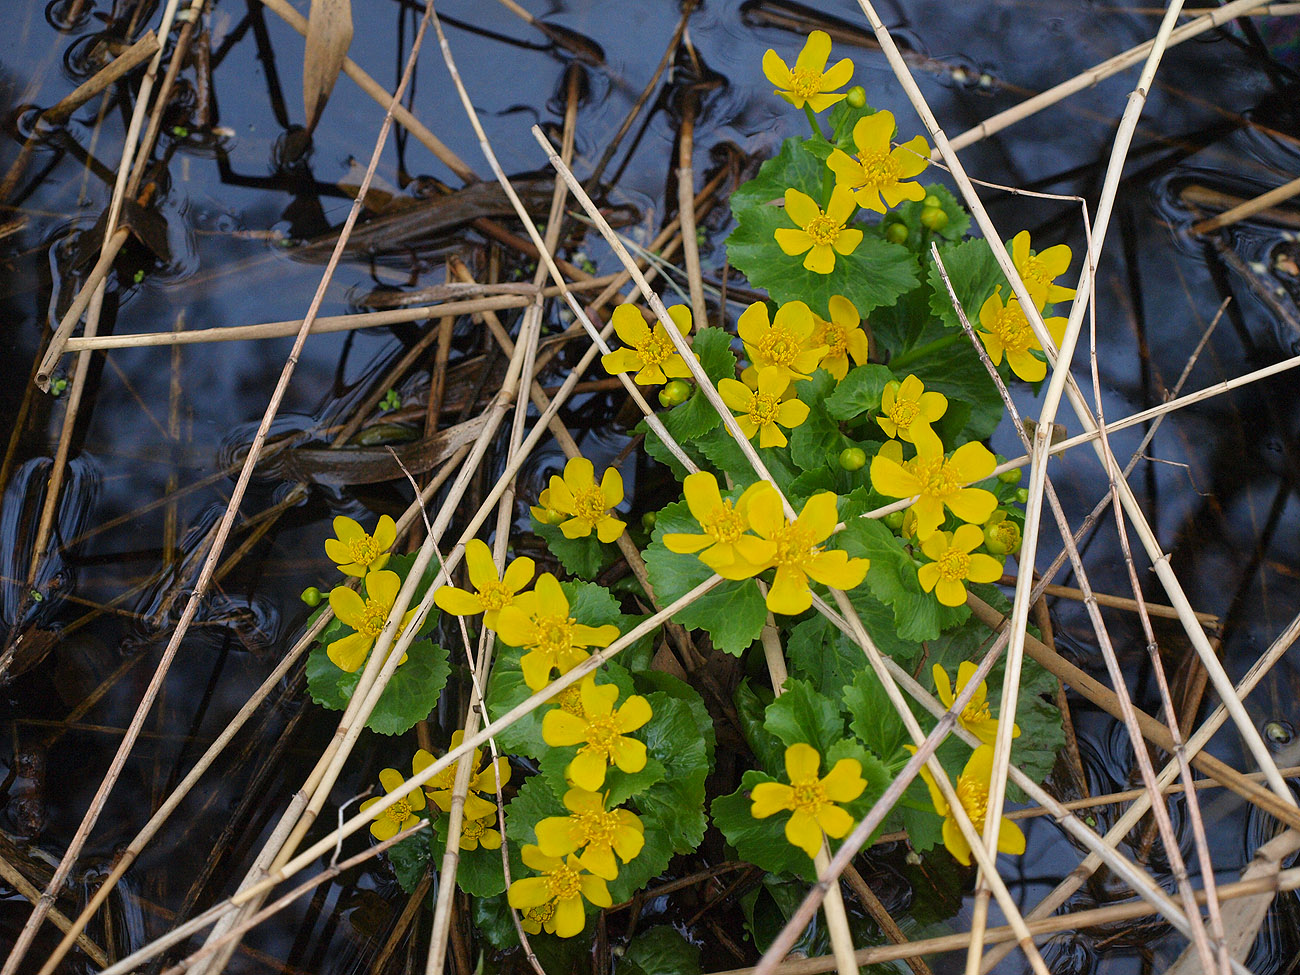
pixel 1247 209
pixel 15 878
pixel 686 208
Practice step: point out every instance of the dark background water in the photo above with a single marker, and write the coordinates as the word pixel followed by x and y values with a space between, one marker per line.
pixel 1219 489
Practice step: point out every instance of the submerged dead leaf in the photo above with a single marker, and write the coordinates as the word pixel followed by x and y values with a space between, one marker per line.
pixel 329 34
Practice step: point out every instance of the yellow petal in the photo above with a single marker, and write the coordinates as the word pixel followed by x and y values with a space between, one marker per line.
pixel 702 494
pixel 611 487
pixel 560 728
pixel 628 754
pixel 792 242
pixel 681 317
pixel 928 576
pixel 837 76
pixel 912 157
pixel 801 208
pixel 802 831
pixel 348 529
pixel 609 529
pixel 973 505
pixel 984 568
pixel 620 361
pixel 816 52
pixel 519 573
pixel 956 842
pixel 349 653
pixel 594 889
pixel 821 259
pixel 630 325
pixel 1010 838
pixel 942 686
pixel 587 769
pixel 802 762
pixel 383 586
pixel 529 892
pixel 896 193
pixel 835 569
pixel 1028 367
pixel 634 713
pixel 551 596
pixel 889 478
pixel 792 413
pixel 753 323
pixel 735 395
pixel 950 592
pixel 844 782
pixel 834 821
pixel 872 133
pixel 478 561
pixel 775 70
pixel 347 605
pixel 769 798
pixel 847 241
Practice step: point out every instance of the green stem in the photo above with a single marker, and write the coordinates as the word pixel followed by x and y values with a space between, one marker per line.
pixel 921 351
pixel 812 121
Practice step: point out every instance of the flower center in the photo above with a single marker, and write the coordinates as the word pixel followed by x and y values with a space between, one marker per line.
pixel 1011 328
pixel 794 546
pixel 903 412
pixel 373 617
pixel 779 347
pixel 564 883
pixel 542 913
pixel 1008 534
pixel 763 410
pixel 656 349
pixel 602 733
pixel 975 714
pixel 570 700
pixel 495 596
pixel 724 523
pixel 399 812
pixel 806 82
pixel 937 477
pixel 823 230
pixel 1034 270
pixel 835 337
pixel 589 503
pixel 363 550
pixel 597 826
pixel 974 796
pixel 878 168
pixel 954 565
pixel 809 795
pixel 554 633
pixel 473 829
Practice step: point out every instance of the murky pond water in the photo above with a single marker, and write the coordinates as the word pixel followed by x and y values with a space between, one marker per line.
pixel 241 210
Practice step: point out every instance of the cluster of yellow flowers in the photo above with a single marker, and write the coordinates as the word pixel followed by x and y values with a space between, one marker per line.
pixel 362 556
pixel 574 855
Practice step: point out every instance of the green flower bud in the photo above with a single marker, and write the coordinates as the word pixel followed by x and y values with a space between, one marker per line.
pixel 893 521
pixel 934 218
pixel 853 459
pixel 1001 535
pixel 675 393
pixel 311 596
pixel 896 233
pixel 648 520
pixel 856 97
pixel 1012 476
pixel 1022 495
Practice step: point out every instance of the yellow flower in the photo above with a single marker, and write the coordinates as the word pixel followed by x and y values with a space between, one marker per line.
pixel 842 335
pixel 975 717
pixel 648 350
pixel 727 549
pixel 480 832
pixel 534 919
pixel 1005 329
pixel 401 814
pixel 544 512
pixel 483 781
pixel 561 887
pixel 821 232
pixel 587 504
pixel 809 82
pixel 907 410
pixel 539 621
pixel 493 594
pixel 365 616
pixel 937 481
pixel 603 833
pixel 356 552
pixel 785 342
pixel 877 171
pixel 1001 534
pixel 799 553
pixel 1038 271
pixel 952 563
pixel 811 799
pixel 972 788
pixel 600 732
pixel 760 411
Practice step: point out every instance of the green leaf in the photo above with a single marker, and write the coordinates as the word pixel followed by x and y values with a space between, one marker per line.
pixel 650 681
pixel 924 826
pixel 678 800
pixel 732 613
pixel 582 557
pixel 875 274
pixel 479 872
pixel 873 719
pixel 762 842
pixel 696 416
pixel 751 708
pixel 492 920
pixel 534 802
pixel 800 714
pixel 818 652
pixel 974 274
pixel 593 605
pixel 874 771
pixel 958 218
pixel 660 951
pixel 817 441
pixel 653 860
pixel 506 690
pixel 409 858
pixel 410 695
pixel 858 392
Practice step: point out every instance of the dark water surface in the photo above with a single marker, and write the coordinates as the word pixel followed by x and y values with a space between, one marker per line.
pixel 1218 489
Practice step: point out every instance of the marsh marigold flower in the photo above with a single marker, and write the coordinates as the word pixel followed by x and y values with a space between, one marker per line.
pixel 562 887
pixel 1038 271
pixel 812 800
pixel 1004 328
pixel 953 562
pixel 597 831
pixel 799 554
pixel 842 335
pixel 1001 534
pixel 975 717
pixel 821 232
pixel 600 734
pixel 907 410
pixel 401 814
pixel 366 616
pixel 784 342
pixel 937 482
pixel 356 552
pixel 764 410
pixel 725 545
pixel 480 832
pixel 809 82
pixel 492 594
pixel 878 172
pixel 539 621
pixel 484 781
pixel 587 504
pixel 972 788
pixel 648 350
